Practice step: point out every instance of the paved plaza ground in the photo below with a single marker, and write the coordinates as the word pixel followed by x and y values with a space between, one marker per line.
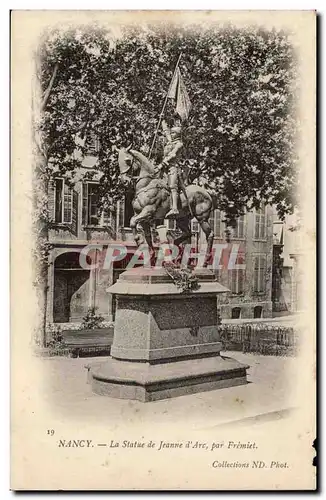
pixel 267 396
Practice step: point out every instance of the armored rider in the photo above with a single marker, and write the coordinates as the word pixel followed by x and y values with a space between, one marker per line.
pixel 172 150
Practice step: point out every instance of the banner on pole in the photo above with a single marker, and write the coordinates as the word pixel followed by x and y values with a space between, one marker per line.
pixel 179 93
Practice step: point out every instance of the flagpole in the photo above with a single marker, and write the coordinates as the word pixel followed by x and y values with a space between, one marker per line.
pixel 164 106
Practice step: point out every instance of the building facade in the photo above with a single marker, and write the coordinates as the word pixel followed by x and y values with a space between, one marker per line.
pixel 246 264
pixel 72 289
pixel 288 293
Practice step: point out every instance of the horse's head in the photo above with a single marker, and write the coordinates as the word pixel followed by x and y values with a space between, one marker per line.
pixel 133 164
pixel 126 161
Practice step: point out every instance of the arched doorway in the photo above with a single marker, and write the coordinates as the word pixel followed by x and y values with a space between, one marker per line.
pixel 236 313
pixel 258 310
pixel 71 289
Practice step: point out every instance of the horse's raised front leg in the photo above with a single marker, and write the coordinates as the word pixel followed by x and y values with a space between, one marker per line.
pixel 209 238
pixel 148 238
pixel 143 219
pixel 136 236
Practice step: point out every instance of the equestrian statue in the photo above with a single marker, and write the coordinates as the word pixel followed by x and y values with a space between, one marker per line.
pixel 157 198
pixel 162 191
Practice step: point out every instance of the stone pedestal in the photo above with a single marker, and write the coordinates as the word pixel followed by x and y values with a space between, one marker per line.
pixel 166 343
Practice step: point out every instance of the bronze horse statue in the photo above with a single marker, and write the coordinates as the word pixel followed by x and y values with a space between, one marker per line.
pixel 152 200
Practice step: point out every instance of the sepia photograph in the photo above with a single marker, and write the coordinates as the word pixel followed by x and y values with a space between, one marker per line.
pixel 163 310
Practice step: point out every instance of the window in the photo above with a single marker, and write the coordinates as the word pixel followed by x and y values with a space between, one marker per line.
pixel 107 219
pixel 170 224
pixel 236 280
pixel 92 215
pixel 63 202
pixel 258 311
pixel 125 211
pixel 260 273
pixel 195 226
pixel 92 143
pixel 239 230
pixel 128 209
pixel 236 313
pixel 260 224
pixel 91 200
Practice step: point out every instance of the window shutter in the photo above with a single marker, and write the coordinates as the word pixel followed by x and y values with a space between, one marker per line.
pixel 105 218
pixel 58 201
pixel 262 273
pixel 74 225
pixel 256 271
pixel 235 230
pixel 67 204
pixel 121 213
pixel 233 280
pixel 217 223
pixel 260 223
pixel 263 225
pixel 211 220
pixel 240 227
pixel 241 280
pixel 111 219
pixel 230 280
pixel 85 204
pixel 51 202
pixel 93 204
pixel 257 226
pixel 238 230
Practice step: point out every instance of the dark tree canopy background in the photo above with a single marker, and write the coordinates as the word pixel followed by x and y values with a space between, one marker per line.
pixel 241 134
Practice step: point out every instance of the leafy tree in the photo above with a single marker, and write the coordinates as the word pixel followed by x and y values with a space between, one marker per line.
pixel 241 134
pixel 62 104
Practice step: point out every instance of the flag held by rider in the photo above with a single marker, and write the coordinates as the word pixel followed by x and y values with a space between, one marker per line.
pixel 179 93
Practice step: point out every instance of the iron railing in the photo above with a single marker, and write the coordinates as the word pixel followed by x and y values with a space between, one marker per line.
pixel 258 337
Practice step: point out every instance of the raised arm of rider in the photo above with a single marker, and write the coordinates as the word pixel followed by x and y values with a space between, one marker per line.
pixel 166 130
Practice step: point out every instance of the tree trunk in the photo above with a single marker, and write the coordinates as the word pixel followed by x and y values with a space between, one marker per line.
pixel 40 197
pixel 41 243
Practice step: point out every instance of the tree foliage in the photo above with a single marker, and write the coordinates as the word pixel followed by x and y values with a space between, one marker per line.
pixel 241 134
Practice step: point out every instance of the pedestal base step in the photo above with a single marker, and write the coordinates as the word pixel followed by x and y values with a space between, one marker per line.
pixel 145 382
